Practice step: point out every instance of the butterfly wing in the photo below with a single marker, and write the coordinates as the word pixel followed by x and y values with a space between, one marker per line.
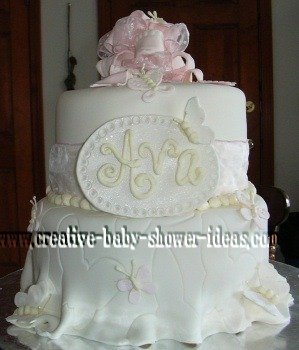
pixel 194 113
pixel 243 198
pixel 134 296
pixel 246 213
pixel 148 287
pixel 165 88
pixel 148 96
pixel 137 83
pixel 143 274
pixel 205 135
pixel 195 116
pixel 124 285
pixel 263 213
pixel 156 75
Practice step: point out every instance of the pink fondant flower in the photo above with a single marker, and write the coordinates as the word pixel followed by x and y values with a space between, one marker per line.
pixel 134 283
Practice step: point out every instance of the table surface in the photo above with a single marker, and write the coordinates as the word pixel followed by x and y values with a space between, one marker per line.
pixel 256 337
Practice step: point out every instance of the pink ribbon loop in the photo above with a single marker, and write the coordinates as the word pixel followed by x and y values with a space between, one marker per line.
pixel 139 42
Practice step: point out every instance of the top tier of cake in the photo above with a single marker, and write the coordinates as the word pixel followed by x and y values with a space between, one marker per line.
pixel 81 112
pixel 146 140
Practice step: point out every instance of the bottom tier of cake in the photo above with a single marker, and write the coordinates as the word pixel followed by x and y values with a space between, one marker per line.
pixel 145 292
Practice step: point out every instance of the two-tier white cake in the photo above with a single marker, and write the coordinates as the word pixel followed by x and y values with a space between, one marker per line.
pixel 147 151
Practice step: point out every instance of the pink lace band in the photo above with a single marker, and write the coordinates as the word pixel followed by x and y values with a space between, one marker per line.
pixel 233 158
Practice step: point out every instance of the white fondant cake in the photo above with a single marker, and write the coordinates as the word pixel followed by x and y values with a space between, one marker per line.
pixel 149 179
pixel 81 112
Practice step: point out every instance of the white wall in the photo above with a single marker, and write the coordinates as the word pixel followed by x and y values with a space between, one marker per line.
pixel 84 39
pixel 285 15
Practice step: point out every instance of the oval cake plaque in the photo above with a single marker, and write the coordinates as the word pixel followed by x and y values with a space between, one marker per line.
pixel 146 166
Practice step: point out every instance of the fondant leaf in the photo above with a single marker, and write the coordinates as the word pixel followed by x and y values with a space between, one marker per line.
pixel 261 301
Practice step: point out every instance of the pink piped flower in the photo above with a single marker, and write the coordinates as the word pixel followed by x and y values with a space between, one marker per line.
pixel 136 282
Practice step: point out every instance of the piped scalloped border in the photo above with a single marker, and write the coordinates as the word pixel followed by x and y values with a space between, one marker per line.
pixel 240 200
pixel 69 200
pixel 226 200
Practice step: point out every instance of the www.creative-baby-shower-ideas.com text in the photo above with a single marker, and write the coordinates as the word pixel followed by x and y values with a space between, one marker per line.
pixel 72 237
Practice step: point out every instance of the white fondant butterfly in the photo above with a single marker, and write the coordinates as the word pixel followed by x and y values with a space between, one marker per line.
pixel 150 82
pixel 192 126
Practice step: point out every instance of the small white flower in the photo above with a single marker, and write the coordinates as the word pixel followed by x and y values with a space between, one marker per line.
pixel 34 223
pixel 269 290
pixel 250 210
pixel 135 282
pixel 35 295
pixel 154 17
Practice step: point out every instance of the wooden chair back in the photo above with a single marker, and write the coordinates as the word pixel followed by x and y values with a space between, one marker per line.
pixel 279 207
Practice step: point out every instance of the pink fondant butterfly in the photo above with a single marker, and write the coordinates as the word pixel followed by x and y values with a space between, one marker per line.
pixel 135 283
